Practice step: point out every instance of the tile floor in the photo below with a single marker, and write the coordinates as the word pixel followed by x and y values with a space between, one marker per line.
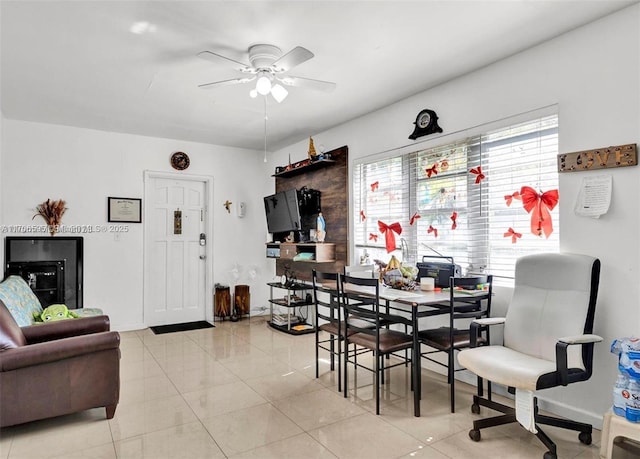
pixel 243 390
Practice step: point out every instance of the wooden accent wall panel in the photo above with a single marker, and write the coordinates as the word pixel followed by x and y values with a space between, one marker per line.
pixel 333 183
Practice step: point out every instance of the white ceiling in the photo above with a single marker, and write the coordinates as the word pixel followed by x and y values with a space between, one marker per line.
pixel 77 63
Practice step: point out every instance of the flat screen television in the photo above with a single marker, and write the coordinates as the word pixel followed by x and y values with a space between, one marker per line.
pixel 282 211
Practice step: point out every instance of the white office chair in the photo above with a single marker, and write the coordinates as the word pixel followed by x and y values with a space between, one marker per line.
pixel 547 339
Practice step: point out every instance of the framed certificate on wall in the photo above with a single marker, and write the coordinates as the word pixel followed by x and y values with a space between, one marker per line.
pixel 126 210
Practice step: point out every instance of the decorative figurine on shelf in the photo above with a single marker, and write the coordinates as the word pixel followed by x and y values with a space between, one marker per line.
pixel 321 228
pixel 289 277
pixel 312 150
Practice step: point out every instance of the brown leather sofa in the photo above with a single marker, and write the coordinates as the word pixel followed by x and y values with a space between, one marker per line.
pixel 57 368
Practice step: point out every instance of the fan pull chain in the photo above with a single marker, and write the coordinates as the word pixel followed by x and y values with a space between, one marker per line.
pixel 265 129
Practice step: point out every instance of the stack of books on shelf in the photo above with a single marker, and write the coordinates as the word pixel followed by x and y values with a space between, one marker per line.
pixel 283 319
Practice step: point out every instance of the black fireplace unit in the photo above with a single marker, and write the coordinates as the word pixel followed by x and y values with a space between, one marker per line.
pixel 51 265
pixel 46 279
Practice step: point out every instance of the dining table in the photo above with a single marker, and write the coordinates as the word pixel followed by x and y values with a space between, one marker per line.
pixel 421 303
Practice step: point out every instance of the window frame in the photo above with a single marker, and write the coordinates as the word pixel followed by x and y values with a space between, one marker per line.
pixel 479 259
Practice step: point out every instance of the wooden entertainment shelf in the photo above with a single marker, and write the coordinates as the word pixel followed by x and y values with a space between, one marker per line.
pixel 307 168
pixel 331 178
pixel 322 252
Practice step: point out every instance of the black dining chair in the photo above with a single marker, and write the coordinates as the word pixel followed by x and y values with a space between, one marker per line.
pixel 469 298
pixel 373 331
pixel 327 309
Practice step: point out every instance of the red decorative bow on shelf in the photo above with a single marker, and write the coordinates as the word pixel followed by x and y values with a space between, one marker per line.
pixel 433 170
pixel 540 206
pixel 479 174
pixel 454 217
pixel 363 217
pixel 373 237
pixel 433 230
pixel 374 185
pixel 514 236
pixel 413 218
pixel 510 197
pixel 389 237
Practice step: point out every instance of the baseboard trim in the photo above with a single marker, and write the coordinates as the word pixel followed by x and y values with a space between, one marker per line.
pixel 128 327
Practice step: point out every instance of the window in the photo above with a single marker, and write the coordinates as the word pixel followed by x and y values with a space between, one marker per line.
pixel 456 211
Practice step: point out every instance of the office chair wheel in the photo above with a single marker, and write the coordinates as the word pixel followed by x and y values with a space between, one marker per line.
pixel 550 455
pixel 474 435
pixel 475 408
pixel 585 437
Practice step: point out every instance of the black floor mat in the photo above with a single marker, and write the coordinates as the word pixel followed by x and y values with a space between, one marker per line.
pixel 161 329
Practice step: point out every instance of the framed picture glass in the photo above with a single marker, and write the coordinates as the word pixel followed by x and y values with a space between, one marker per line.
pixel 127 210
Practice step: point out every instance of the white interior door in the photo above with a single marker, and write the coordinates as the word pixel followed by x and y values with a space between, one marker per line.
pixel 175 259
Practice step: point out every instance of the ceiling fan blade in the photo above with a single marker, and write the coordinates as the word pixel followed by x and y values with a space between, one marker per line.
pixel 296 56
pixel 308 83
pixel 226 82
pixel 213 57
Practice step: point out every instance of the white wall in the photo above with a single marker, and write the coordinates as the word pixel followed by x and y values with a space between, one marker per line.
pixel 84 167
pixel 593 75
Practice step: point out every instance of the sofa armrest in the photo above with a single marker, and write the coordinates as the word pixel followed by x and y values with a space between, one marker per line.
pixel 65 329
pixel 53 351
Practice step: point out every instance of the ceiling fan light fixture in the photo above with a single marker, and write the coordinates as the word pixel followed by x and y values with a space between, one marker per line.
pixel 263 85
pixel 279 93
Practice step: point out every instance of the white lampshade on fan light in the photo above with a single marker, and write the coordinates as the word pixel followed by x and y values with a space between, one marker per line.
pixel 264 87
pixel 279 93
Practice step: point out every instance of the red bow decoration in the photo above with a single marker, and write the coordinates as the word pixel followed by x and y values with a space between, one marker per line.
pixel 413 218
pixel 363 217
pixel 513 234
pixel 373 237
pixel 389 237
pixel 478 172
pixel 374 185
pixel 433 170
pixel 454 217
pixel 432 230
pixel 540 205
pixel 511 197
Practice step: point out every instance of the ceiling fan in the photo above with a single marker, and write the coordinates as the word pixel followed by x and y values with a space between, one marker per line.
pixel 269 67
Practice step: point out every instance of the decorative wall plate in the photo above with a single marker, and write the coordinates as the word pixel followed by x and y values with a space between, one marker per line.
pixel 180 160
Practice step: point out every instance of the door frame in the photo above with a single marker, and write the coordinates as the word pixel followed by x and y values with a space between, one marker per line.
pixel 149 176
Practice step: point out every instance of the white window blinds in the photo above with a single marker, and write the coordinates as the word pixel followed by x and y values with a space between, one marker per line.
pixel 456 195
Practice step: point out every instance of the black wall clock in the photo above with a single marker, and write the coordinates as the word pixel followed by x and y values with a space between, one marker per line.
pixel 426 123
pixel 180 160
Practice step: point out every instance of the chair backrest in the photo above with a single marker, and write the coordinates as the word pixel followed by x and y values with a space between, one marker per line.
pixel 366 271
pixel 361 297
pixel 554 296
pixel 475 303
pixel 326 309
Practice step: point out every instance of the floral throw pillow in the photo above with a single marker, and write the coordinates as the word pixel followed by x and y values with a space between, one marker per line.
pixel 19 300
